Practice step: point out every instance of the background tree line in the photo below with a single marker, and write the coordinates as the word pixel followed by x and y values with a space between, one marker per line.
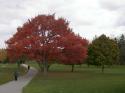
pixel 121 45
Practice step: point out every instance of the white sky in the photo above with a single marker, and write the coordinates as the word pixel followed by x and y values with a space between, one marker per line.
pixel 86 17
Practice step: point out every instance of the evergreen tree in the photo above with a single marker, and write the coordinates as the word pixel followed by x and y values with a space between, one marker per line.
pixel 121 44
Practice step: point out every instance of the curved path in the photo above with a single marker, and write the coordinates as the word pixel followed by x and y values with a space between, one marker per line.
pixel 17 86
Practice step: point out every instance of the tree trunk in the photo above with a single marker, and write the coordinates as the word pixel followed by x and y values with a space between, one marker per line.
pixel 48 68
pixel 45 67
pixel 88 65
pixel 40 65
pixel 72 67
pixel 97 66
pixel 103 68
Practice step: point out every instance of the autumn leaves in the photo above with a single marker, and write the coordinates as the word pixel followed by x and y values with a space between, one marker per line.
pixel 47 40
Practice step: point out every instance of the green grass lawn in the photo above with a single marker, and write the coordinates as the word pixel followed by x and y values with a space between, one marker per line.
pixel 83 80
pixel 7 70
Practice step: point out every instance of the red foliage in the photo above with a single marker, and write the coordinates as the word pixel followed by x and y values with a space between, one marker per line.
pixel 45 38
pixel 74 49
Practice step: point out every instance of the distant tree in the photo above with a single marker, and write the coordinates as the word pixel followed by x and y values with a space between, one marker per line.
pixel 103 51
pixel 43 39
pixel 121 44
pixel 3 55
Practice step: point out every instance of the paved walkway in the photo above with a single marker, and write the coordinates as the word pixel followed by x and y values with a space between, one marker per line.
pixel 17 86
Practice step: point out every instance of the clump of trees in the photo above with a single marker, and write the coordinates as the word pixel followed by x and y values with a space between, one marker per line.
pixel 103 51
pixel 47 39
pixel 121 45
pixel 3 56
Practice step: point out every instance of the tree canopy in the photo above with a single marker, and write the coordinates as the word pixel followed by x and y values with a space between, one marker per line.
pixel 121 44
pixel 47 39
pixel 103 51
pixel 3 55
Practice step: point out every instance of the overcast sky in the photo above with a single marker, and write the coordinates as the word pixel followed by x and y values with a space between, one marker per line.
pixel 86 17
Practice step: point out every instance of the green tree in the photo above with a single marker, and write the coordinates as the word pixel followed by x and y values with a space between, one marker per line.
pixel 103 51
pixel 121 44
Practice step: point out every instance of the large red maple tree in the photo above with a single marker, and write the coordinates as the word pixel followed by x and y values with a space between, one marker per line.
pixel 46 39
